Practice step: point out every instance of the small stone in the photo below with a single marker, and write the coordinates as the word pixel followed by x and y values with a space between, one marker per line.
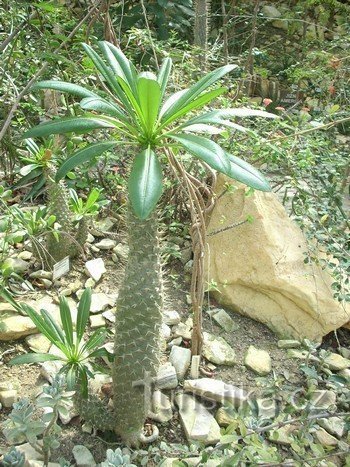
pixel 167 377
pixel 325 438
pixel 177 341
pixel 122 251
pixel 100 301
pixel 267 408
pixel 288 344
pixel 180 357
pixel 41 274
pixel 161 407
pixel 83 456
pixel 50 369
pixel 336 362
pixel 25 255
pixel 86 428
pixel 17 265
pixel 171 317
pixel 217 350
pixel 188 300
pixel 72 412
pixel 104 225
pixel 97 321
pixel 334 425
pixel 66 292
pixel 94 249
pixel 165 331
pixel 224 320
pixel 188 266
pixel 345 373
pixel 14 326
pixel 106 244
pixel 323 399
pixel 95 268
pixel 8 398
pixel 195 362
pixel 283 435
pixel 90 238
pixel 186 255
pixel 44 283
pixel 258 361
pixel 184 330
pixel 38 343
pixel 216 390
pixel 198 422
pixel 90 283
pixel 29 452
pixel 270 11
pixel 109 315
pixel 225 417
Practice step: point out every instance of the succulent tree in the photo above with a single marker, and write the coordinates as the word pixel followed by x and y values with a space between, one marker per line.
pixel 137 113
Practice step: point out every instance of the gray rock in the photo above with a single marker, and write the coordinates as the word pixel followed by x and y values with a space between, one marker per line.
pixel 38 343
pixel 288 344
pixel 171 317
pixel 325 438
pixel 8 397
pixel 177 341
pixel 199 424
pixel 270 11
pixel 161 407
pixel 97 321
pixel 223 319
pixel 109 315
pixel 181 360
pixel 83 456
pixel 184 330
pixel 166 377
pixel 25 255
pixel 95 268
pixel 225 416
pixel 17 265
pixel 90 238
pixel 14 326
pixel 216 390
pixel 165 331
pixel 258 361
pixel 267 408
pixel 106 244
pixel 283 435
pixel 335 425
pixel 323 399
pixel 186 255
pixel 336 362
pixel 188 266
pixel 217 350
pixel 103 225
pixel 50 369
pixel 41 274
pixel 29 452
pixel 122 251
pixel 90 283
pixel 100 301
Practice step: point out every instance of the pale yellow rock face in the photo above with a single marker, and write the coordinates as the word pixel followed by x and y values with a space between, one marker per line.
pixel 260 271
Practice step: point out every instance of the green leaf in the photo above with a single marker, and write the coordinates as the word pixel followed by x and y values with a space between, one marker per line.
pixel 83 313
pixel 63 86
pixel 33 358
pixel 55 330
pixel 245 173
pixel 135 106
pixel 101 105
pixel 71 377
pixel 206 150
pixel 84 155
pixel 68 125
pixel 195 90
pixel 145 183
pixel 101 353
pixel 163 75
pixel 66 320
pixel 94 341
pixel 149 97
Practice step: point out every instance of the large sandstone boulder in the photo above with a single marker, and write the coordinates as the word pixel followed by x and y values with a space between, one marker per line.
pixel 260 271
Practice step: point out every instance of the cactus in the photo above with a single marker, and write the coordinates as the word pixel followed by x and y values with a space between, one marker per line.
pixel 137 332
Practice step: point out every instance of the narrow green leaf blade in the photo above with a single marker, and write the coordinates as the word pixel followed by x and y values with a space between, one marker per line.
pixel 96 339
pixel 63 86
pixel 245 173
pixel 206 150
pixel 145 183
pixel 163 75
pixel 33 358
pixel 83 313
pixel 68 125
pixel 149 97
pixel 66 320
pixel 101 105
pixel 84 155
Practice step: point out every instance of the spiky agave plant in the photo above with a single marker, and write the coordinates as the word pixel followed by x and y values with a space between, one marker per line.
pixel 136 113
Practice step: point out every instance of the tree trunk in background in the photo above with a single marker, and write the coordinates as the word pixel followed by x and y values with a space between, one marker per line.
pixel 201 28
pixel 137 331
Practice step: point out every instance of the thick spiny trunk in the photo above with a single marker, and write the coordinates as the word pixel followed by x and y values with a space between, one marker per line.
pixel 137 333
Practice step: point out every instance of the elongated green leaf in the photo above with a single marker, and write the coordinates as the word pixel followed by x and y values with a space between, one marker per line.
pixel 134 104
pixel 202 128
pixel 171 101
pixel 222 117
pixel 195 90
pixel 120 64
pixel 96 339
pixel 149 97
pixel 206 150
pixel 54 327
pixel 101 353
pixel 245 173
pixel 66 320
pixel 163 75
pixel 108 75
pixel 63 86
pixel 6 295
pixel 101 105
pixel 194 104
pixel 83 313
pixel 84 155
pixel 71 377
pixel 33 358
pixel 145 183
pixel 27 178
pixel 32 146
pixel 68 125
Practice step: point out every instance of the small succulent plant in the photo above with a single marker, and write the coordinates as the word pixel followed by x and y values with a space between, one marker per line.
pixel 13 458
pixel 117 458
